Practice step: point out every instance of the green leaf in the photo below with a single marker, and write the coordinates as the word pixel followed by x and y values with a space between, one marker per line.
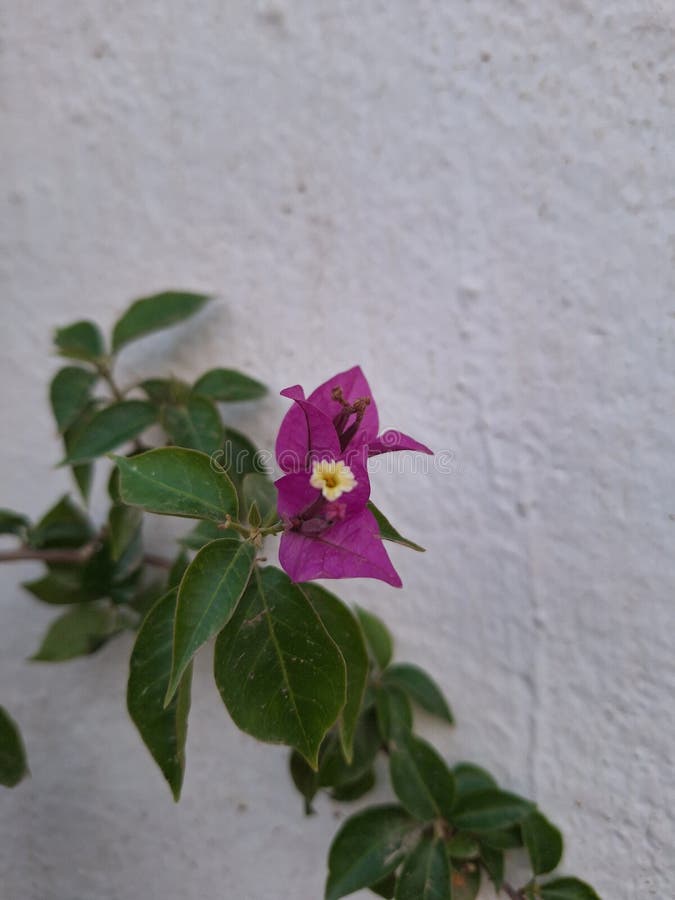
pixel 207 598
pixel 493 860
pixel 465 881
pixel 304 778
pixel 420 688
pixel 368 847
pixel 111 426
pixel 204 532
pixel 343 628
pixel 79 632
pixel 543 841
pixel 463 846
pixel 489 810
pixel 177 482
pixel 389 533
pixel 81 340
pixel 426 873
pixel 178 569
pixel 123 525
pixel 228 386
pixel 386 887
pixel 567 889
pixel 61 585
pixel 64 525
pixel 13 765
pixel 165 390
pixel 377 636
pixel 196 425
pixel 470 778
pixel 12 522
pixel 503 838
pixel 354 790
pixel 155 313
pixel 421 780
pixel 279 673
pixel 239 457
pixel 70 393
pixel 163 729
pixel 334 770
pixel 84 472
pixel 257 488
pixel 394 716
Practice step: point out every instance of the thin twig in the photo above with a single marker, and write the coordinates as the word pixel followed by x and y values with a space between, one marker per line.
pixel 77 556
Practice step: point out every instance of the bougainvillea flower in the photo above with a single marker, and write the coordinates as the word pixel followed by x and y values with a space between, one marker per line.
pixel 338 419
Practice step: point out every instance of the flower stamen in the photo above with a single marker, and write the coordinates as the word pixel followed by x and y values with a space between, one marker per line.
pixel 333 478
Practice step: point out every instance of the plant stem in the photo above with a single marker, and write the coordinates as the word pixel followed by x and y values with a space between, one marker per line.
pixel 105 370
pixel 75 555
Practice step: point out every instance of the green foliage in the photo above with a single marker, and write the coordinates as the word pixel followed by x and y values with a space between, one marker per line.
pixel 109 428
pixel 465 881
pixel 154 313
pixel 394 715
pixel 81 340
pixel 13 765
pixel 389 533
pixel 70 394
pixel 543 841
pixel 61 585
pixel 163 729
pixel 79 632
pixel 228 386
pixel 13 523
pixel 489 810
pixel 207 598
pixel 166 390
pixel 64 525
pixel 177 482
pixel 422 781
pixel 470 778
pixel 565 889
pixel 420 688
pixel 195 424
pixel 281 676
pixel 203 533
pixel 124 523
pixel 258 489
pixel 426 873
pixel 378 637
pixel 368 846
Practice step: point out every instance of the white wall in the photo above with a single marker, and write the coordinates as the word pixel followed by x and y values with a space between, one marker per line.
pixel 473 200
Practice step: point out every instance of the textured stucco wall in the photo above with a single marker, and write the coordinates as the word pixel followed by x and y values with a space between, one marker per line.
pixel 475 201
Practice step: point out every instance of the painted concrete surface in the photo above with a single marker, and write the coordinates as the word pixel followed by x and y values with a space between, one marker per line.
pixel 473 200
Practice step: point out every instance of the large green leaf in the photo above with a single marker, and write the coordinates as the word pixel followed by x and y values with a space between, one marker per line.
pixel 422 781
pixel 470 778
pixel 13 766
pixel 70 393
pixel 64 525
pixel 195 424
pixel 207 597
pixel 566 889
pixel 341 625
pixel 79 632
pixel 154 313
pixel 279 673
pixel 543 841
pixel 426 873
pixel 109 428
pixel 420 688
pixel 228 386
pixel 61 585
pixel 378 637
pixel 490 809
pixel 13 522
pixel 388 532
pixel 177 482
pixel 369 846
pixel 163 729
pixel 81 340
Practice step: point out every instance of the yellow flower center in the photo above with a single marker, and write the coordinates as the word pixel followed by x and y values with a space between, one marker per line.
pixel 332 478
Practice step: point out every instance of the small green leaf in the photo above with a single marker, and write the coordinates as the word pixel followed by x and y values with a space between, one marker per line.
pixel 388 532
pixel 465 881
pixel 394 716
pixel 567 889
pixel 84 472
pixel 207 598
pixel 165 390
pixel 343 628
pixel 334 770
pixel 489 810
pixel 13 765
pixel 279 673
pixel 155 313
pixel 543 841
pixel 61 585
pixel 238 456
pixel 228 386
pixel 204 532
pixel 503 838
pixel 163 730
pixel 81 340
pixel 421 780
pixel 123 524
pixel 304 778
pixel 79 632
pixel 70 393
pixel 386 887
pixel 13 523
pixel 368 847
pixel 377 636
pixel 420 688
pixel 64 525
pixel 177 482
pixel 470 778
pixel 195 425
pixel 354 790
pixel 462 846
pixel 257 488
pixel 493 860
pixel 111 426
pixel 426 873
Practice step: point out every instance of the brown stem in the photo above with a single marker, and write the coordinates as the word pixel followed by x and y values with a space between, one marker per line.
pixel 77 555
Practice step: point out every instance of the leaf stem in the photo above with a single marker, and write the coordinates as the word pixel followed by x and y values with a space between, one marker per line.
pixel 105 370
